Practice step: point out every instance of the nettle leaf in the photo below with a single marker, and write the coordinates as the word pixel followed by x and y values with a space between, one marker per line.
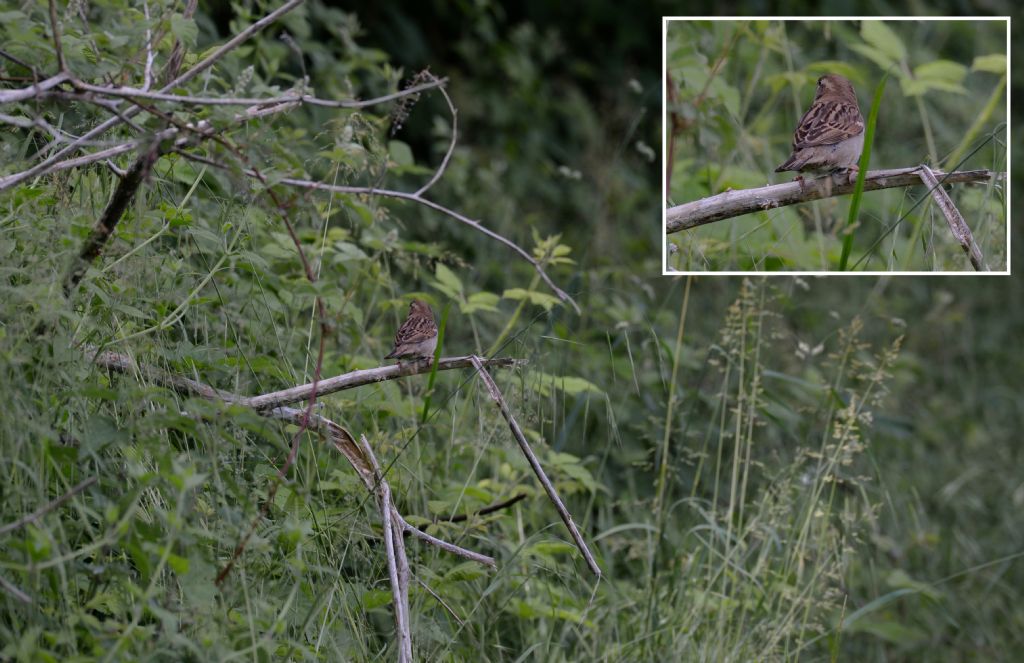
pixel 448 282
pixel 185 30
pixel 534 297
pixel 570 385
pixel 375 598
pixel 464 572
pixel 400 153
pixel 480 301
pixel 882 37
pixel 995 63
pixel 941 70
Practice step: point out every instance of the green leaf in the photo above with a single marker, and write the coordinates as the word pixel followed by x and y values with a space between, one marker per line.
pixel 572 386
pixel 941 70
pixel 534 297
pixel 480 301
pixel 882 37
pixel 464 572
pixel 448 282
pixel 995 63
pixel 400 153
pixel 375 598
pixel 184 29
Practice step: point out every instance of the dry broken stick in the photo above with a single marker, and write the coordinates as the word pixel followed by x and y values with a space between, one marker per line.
pixel 961 231
pixel 730 204
pixel 549 488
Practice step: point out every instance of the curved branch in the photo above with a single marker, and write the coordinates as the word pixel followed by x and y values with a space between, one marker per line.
pixel 730 204
pixel 461 218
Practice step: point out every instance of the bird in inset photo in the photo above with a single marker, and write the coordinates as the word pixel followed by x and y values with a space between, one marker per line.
pixel 830 135
pixel 417 337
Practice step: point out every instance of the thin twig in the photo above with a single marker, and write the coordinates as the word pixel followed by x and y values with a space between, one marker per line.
pixel 55 26
pixel 745 201
pixel 15 591
pixel 47 508
pixel 412 197
pixel 444 545
pixel 490 508
pixel 451 144
pixel 147 76
pixel 961 231
pixel 549 488
pixel 257 102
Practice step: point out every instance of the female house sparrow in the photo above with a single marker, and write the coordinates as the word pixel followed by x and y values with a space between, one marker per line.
pixel 830 135
pixel 417 337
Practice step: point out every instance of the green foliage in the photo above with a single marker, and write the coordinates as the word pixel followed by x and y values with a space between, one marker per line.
pixel 739 87
pixel 828 491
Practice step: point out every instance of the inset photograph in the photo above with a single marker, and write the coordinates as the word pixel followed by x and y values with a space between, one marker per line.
pixel 836 146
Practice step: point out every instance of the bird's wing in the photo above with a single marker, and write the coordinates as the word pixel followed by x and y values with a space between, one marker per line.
pixel 827 123
pixel 415 329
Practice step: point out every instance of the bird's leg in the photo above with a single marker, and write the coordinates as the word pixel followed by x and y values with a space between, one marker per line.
pixel 851 173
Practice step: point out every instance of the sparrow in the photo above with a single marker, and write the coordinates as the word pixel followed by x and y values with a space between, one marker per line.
pixel 830 135
pixel 417 337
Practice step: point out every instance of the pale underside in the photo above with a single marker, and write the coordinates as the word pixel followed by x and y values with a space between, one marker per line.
pixel 417 350
pixel 823 159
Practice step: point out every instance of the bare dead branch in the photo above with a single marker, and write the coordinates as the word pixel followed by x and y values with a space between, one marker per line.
pixel 730 204
pixel 147 76
pixel 339 437
pixel 549 488
pixel 123 92
pixel 961 231
pixel 104 228
pixel 364 377
pixel 125 364
pixel 398 564
pixel 34 90
pixel 55 27
pixel 43 166
pixel 48 507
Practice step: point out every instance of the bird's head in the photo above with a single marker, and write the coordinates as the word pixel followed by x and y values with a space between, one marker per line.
pixel 834 85
pixel 419 307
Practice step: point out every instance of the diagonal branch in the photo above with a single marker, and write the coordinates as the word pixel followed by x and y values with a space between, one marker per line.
pixel 47 508
pixel 549 488
pixel 730 204
pixel 104 228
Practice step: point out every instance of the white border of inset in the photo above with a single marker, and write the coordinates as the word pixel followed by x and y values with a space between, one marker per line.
pixel 664 141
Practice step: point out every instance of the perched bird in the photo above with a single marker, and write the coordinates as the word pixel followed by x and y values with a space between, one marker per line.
pixel 417 337
pixel 830 135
